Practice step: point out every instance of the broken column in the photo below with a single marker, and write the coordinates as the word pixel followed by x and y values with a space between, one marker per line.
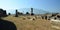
pixel 32 11
pixel 16 15
pixel 9 13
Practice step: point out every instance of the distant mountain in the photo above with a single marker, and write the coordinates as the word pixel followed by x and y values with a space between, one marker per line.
pixel 35 11
pixel 40 11
pixel 24 10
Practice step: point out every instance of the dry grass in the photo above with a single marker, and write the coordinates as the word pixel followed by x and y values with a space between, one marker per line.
pixel 55 25
pixel 22 23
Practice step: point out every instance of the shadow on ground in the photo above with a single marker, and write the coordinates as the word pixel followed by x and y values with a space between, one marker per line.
pixel 7 25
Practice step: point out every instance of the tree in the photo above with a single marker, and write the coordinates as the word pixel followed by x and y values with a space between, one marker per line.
pixel 9 13
pixel 27 13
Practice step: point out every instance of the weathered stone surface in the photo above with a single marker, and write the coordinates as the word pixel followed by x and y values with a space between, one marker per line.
pixel 2 13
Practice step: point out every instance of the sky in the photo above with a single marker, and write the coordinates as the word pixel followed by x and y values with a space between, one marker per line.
pixel 46 5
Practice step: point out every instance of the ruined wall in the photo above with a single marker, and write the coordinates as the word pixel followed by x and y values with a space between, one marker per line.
pixel 2 13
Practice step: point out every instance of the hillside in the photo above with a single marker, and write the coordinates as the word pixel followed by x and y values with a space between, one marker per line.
pixel 23 23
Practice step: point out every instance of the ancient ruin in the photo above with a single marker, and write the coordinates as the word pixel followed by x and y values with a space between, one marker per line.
pixel 2 13
pixel 32 11
pixel 16 15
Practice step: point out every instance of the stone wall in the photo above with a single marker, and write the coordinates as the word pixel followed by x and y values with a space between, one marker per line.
pixel 2 13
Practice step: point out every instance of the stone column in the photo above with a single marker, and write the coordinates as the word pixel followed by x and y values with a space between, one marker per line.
pixel 32 11
pixel 16 15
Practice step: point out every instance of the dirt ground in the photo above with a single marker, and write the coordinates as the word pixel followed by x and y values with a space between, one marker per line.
pixel 25 23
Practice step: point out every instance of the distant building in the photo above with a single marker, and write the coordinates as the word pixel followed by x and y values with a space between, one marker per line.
pixel 2 13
